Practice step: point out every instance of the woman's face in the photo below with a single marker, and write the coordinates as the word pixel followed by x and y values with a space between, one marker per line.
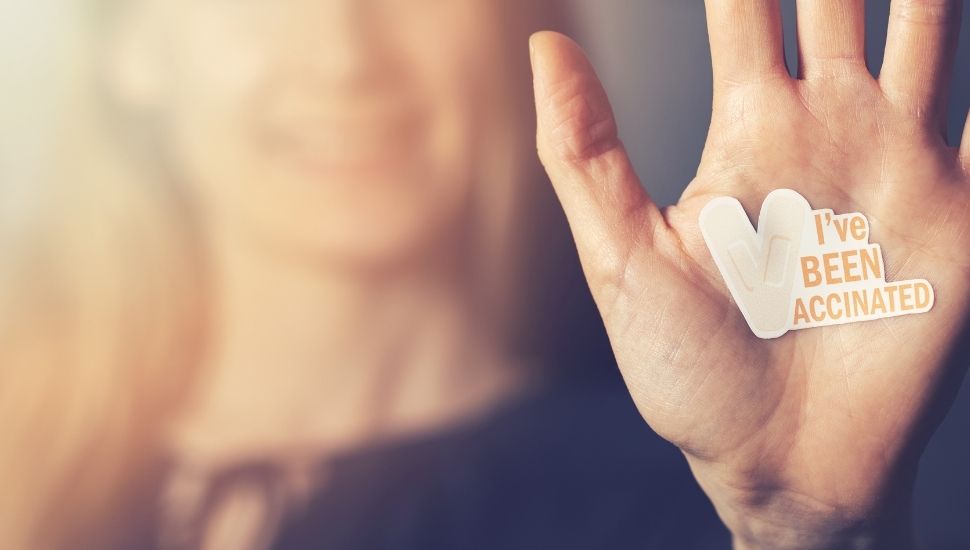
pixel 342 128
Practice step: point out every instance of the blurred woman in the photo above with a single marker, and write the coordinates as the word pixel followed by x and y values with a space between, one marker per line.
pixel 269 280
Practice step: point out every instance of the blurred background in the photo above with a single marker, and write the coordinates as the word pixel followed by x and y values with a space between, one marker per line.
pixel 655 62
pixel 214 335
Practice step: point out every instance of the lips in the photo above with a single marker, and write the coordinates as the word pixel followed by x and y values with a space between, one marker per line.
pixel 342 145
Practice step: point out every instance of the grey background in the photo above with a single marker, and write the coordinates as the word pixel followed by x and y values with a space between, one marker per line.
pixel 654 60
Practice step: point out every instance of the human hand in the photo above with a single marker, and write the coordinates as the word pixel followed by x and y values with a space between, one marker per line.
pixel 810 440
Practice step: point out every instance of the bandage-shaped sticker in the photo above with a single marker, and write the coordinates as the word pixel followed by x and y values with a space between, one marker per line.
pixel 803 268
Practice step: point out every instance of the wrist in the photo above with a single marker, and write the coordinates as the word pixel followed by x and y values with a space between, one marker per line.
pixel 766 516
pixel 758 534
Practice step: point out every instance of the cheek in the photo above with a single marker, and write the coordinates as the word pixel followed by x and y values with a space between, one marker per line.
pixel 453 67
pixel 387 217
pixel 215 71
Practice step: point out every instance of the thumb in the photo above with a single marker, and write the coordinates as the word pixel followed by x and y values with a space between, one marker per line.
pixel 609 212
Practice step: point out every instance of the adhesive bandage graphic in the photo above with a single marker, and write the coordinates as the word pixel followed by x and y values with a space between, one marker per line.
pixel 804 268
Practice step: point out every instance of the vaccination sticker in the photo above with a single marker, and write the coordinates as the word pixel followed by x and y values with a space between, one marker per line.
pixel 804 268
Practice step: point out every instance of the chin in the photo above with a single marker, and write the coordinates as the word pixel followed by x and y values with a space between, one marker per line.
pixel 367 240
pixel 389 228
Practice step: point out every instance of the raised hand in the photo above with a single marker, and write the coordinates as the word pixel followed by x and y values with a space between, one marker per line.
pixel 810 440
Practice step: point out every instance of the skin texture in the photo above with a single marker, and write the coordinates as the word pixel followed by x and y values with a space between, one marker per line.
pixel 810 440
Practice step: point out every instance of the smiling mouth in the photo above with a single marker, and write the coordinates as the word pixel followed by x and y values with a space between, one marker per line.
pixel 332 148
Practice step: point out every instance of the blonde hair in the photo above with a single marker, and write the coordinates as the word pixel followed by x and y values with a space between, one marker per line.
pixel 99 308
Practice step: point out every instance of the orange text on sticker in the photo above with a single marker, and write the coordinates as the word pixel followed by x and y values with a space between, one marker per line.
pixel 804 268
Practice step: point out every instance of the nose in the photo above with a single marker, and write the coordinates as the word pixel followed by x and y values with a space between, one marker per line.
pixel 343 45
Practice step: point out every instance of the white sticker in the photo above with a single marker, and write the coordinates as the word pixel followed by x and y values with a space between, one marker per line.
pixel 804 268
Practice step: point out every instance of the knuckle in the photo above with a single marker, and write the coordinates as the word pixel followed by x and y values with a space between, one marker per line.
pixel 581 125
pixel 924 12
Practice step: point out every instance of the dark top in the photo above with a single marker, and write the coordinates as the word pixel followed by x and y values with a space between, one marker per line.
pixel 565 468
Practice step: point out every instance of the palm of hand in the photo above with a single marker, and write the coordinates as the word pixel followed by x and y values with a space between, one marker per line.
pixel 820 421
pixel 782 407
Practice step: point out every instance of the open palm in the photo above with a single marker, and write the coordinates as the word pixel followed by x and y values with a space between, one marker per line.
pixel 811 439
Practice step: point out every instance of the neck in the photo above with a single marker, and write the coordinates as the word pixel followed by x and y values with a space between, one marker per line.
pixel 310 361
